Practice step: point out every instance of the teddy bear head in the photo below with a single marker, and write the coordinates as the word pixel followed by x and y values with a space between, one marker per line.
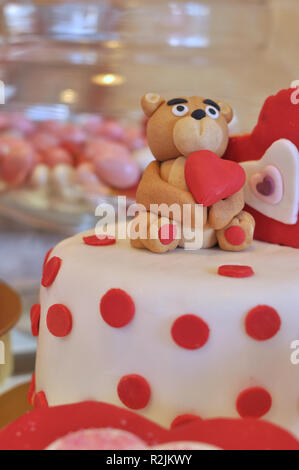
pixel 184 125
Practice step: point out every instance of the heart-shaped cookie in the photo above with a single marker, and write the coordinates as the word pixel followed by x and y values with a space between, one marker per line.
pixel 272 185
pixel 210 178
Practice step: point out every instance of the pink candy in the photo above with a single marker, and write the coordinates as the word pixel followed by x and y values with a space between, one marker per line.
pixel 95 148
pixel 93 125
pixel 51 127
pixel 99 150
pixel 118 171
pixel 17 158
pixel 73 133
pixel 112 130
pixel 4 121
pixel 86 174
pixel 21 123
pixel 42 140
pixel 113 163
pixel 134 138
pixel 57 155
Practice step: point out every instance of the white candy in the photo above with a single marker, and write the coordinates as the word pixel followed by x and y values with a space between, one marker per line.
pixel 62 174
pixel 40 175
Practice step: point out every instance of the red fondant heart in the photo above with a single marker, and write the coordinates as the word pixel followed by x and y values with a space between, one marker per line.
pixel 278 119
pixel 210 179
pixel 37 429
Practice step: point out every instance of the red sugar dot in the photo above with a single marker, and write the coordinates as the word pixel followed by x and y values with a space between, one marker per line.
pixel 262 322
pixel 50 271
pixel 232 270
pixel 59 320
pixel 235 235
pixel 93 240
pixel 134 391
pixel 190 332
pixel 184 419
pixel 35 317
pixel 31 390
pixel 40 400
pixel 47 256
pixel 167 233
pixel 117 308
pixel 253 402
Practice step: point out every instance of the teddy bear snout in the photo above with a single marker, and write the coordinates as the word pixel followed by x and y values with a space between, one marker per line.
pixel 198 114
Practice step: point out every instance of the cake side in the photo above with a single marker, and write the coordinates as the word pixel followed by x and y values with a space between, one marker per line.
pixel 148 351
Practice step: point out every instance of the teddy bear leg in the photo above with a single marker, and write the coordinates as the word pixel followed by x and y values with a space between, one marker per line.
pixel 161 234
pixel 238 234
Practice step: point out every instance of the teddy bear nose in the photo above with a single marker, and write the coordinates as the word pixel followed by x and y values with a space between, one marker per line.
pixel 198 114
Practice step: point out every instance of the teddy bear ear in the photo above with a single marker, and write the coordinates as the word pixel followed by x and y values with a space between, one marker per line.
pixel 150 102
pixel 226 110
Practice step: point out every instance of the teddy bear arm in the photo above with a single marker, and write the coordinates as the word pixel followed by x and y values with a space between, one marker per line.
pixel 222 212
pixel 165 169
pixel 154 190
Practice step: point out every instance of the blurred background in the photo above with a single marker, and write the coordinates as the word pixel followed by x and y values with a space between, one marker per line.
pixel 71 130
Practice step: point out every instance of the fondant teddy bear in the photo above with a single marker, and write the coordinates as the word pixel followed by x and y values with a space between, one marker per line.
pixel 187 136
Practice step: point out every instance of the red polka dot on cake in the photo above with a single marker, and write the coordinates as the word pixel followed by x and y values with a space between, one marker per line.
pixel 134 391
pixel 94 240
pixel 31 390
pixel 51 269
pixel 35 317
pixel 262 322
pixel 59 320
pixel 234 270
pixel 184 419
pixel 253 402
pixel 117 308
pixel 190 331
pixel 235 235
pixel 40 400
pixel 167 233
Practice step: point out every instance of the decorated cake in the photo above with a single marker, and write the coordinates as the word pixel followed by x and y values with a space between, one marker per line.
pixel 205 333
pixel 182 319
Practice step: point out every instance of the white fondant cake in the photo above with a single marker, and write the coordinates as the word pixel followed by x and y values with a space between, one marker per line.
pixel 240 361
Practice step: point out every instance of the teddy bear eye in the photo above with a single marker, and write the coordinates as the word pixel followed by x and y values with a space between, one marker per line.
pixel 212 112
pixel 180 110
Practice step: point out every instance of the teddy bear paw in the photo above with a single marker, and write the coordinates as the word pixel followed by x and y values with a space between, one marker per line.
pixel 238 234
pixel 162 236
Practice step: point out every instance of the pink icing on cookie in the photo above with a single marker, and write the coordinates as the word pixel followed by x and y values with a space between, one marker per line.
pixel 117 439
pixel 98 439
pixel 186 445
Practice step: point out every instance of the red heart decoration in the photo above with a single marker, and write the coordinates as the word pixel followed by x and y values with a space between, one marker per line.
pixel 210 179
pixel 278 119
pixel 37 429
